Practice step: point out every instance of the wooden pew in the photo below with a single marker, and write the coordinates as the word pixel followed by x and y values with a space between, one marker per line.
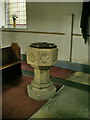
pixel 10 62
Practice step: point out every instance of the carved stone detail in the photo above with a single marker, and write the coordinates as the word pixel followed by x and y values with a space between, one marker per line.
pixel 41 56
pixel 32 57
pixel 44 58
pixel 55 56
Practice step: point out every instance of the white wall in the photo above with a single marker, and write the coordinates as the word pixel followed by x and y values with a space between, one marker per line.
pixel 80 51
pixel 52 17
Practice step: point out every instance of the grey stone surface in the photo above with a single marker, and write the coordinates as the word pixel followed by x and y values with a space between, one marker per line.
pixel 68 103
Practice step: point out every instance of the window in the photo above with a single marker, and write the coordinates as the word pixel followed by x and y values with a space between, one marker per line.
pixel 0 14
pixel 15 13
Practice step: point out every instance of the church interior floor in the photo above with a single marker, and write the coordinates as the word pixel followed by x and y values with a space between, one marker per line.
pixel 15 101
pixel 80 77
pixel 68 103
pixel 71 101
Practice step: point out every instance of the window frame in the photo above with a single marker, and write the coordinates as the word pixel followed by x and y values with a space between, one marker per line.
pixel 5 26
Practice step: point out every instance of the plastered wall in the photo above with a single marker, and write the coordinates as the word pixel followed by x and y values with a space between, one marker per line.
pixel 52 17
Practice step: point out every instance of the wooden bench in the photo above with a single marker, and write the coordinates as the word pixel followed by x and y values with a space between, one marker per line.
pixel 10 62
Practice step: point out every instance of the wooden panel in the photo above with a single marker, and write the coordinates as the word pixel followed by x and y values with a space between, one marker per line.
pixel 6 66
pixel 38 32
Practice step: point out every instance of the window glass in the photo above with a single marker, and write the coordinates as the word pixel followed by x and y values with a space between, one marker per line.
pixel 15 13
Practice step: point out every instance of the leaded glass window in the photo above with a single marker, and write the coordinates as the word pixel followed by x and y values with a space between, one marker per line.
pixel 17 9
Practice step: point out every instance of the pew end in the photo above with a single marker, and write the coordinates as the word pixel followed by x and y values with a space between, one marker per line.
pixel 10 62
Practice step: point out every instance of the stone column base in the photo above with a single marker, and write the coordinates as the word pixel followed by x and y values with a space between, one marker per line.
pixel 41 94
